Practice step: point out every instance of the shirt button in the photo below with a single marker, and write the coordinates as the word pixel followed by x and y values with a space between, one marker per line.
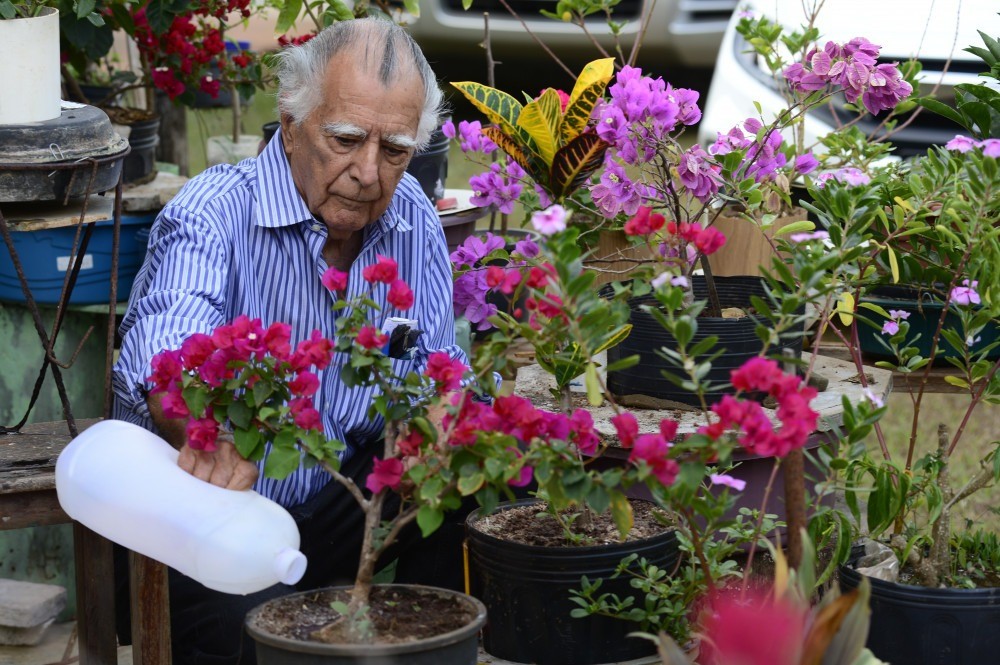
pixel 317 227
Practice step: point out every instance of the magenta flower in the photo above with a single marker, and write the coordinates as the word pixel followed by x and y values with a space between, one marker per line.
pixel 202 433
pixel 277 340
pixel 552 220
pixel 195 350
pixel 400 295
pixel 305 384
pixel 991 147
pixel 173 403
pixel 304 414
pixel 384 270
pixel 335 280
pixel 317 350
pixel 886 88
pixel 385 473
pixel 626 427
pixel 966 294
pixel 445 371
pixel 653 450
pixel 369 337
pixel 898 314
pixel 890 328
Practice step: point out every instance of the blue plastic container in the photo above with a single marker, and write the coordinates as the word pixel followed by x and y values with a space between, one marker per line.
pixel 45 255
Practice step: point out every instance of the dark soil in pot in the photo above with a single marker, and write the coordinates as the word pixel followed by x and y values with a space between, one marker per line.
pixel 414 625
pixel 526 588
pixel 737 336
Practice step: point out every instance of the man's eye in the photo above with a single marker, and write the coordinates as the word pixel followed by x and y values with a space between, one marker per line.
pixel 394 152
pixel 346 140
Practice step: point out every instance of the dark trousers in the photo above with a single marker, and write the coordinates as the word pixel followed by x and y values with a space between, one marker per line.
pixel 206 626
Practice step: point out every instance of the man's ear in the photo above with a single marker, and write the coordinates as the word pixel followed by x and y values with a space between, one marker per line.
pixel 289 132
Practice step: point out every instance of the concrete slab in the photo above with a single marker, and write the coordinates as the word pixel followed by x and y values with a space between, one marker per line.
pixel 24 636
pixel 27 604
pixel 52 648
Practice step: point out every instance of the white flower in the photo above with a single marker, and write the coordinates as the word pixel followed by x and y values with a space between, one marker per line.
pixel 552 220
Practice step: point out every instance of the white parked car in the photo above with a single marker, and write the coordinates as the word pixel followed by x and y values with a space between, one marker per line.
pixel 935 31
pixel 681 32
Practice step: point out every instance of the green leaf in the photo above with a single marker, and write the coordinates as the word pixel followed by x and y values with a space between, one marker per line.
pixel 246 441
pixel 84 7
pixel 412 7
pixel 470 484
pixel 281 461
pixel 429 519
pixel 875 308
pixel 796 227
pixel 240 414
pixel 196 400
pixel 956 381
pixel 290 11
pixel 621 512
pixel 158 17
pixel 7 10
pixel 944 110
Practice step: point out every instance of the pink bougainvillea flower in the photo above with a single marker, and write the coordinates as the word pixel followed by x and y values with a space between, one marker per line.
pixel 305 414
pixel 710 240
pixel 317 350
pixel 504 280
pixel 202 433
pixel 385 473
pixel 385 270
pixel 370 337
pixel 167 368
pixel 445 371
pixel 277 340
pixel 752 629
pixel 173 403
pixel 644 222
pixel 806 163
pixel 216 369
pixel 627 428
pixel 966 294
pixel 728 481
pixel 524 475
pixel 400 296
pixel 653 450
pixel 196 349
pixel 335 280
pixel 550 221
pixel 582 426
pixel 409 445
pixel 304 385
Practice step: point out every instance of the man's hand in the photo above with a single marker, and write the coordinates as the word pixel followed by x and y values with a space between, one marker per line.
pixel 223 467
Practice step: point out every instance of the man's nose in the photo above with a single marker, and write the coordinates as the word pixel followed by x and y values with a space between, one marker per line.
pixel 366 163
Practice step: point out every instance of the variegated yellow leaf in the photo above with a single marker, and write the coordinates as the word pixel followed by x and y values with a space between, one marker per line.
pixel 588 90
pixel 574 163
pixel 516 152
pixel 615 338
pixel 541 119
pixel 621 513
pixel 595 396
pixel 499 107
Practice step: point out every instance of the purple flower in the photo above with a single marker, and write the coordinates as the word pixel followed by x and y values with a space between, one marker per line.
pixel 899 314
pixel 801 79
pixel 549 221
pixel 966 294
pixel 469 298
pixel 699 173
pixel 496 187
pixel 960 144
pixel 475 249
pixel 806 237
pixel 728 481
pixel 527 249
pixel 890 328
pixel 616 193
pixel 886 88
pixel 471 137
pixel 875 400
pixel 806 163
pixel 991 147
pixel 848 176
pixel 688 112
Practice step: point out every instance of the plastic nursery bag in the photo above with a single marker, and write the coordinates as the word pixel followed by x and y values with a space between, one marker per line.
pixel 879 561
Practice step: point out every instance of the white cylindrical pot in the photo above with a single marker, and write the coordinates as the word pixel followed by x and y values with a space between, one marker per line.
pixel 30 88
pixel 222 150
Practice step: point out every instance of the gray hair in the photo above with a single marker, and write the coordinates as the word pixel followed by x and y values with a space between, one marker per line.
pixel 371 41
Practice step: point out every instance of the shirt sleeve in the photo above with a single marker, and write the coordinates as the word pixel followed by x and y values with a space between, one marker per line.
pixel 180 290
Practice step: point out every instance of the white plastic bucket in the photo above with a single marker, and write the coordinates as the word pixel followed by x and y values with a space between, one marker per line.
pixel 30 88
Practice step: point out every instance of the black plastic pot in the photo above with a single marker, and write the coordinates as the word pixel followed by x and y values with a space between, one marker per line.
pixel 458 647
pixel 269 129
pixel 526 590
pixel 736 336
pixel 144 136
pixel 924 316
pixel 919 625
pixel 430 166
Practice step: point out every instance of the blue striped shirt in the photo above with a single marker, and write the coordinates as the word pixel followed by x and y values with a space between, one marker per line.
pixel 240 240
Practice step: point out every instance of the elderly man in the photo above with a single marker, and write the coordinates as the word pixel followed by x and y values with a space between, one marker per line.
pixel 330 189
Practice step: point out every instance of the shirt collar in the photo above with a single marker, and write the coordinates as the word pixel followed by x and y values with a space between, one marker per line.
pixel 281 205
pixel 279 202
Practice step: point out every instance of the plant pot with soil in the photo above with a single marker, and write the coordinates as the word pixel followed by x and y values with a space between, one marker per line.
pixel 417 626
pixel 525 571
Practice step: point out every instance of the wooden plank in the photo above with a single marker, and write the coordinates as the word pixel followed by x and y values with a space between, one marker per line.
pixel 32 508
pixel 54 215
pixel 28 458
pixel 95 597
pixel 150 611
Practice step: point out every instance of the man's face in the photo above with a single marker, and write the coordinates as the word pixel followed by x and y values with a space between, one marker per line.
pixel 348 155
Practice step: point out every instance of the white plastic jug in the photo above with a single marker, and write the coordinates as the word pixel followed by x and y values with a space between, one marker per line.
pixel 123 482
